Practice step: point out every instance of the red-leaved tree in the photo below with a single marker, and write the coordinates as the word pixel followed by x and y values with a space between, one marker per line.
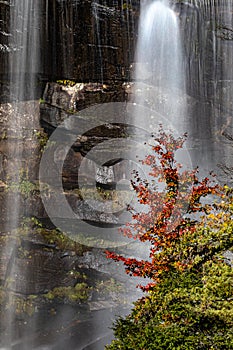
pixel 169 212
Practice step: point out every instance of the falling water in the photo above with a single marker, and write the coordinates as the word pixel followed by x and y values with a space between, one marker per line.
pixel 96 8
pixel 224 87
pixel 207 36
pixel 222 57
pixel 22 111
pixel 159 87
pixel 24 61
pixel 160 82
pixel 67 48
pixel 159 70
pixel 222 104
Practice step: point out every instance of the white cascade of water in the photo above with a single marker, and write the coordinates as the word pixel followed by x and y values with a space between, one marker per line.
pixel 22 111
pixel 159 87
pixel 24 61
pixel 159 73
pixel 211 82
pixel 97 13
pixel 223 83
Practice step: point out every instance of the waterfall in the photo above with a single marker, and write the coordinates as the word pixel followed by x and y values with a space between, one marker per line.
pixel 221 92
pixel 24 61
pixel 207 36
pixel 23 112
pixel 159 73
pixel 96 8
pixel 94 41
pixel 159 88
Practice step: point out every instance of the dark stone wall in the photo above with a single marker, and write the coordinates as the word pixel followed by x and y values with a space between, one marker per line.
pixel 94 41
pixel 84 40
pixel 91 40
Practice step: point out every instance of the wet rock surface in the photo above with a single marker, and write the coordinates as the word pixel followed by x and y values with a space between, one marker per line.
pixel 20 152
pixel 72 292
pixel 85 101
pixel 83 40
pixel 60 284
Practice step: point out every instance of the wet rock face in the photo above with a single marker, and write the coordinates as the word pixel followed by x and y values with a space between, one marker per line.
pixel 97 38
pixel 84 40
pixel 20 152
pixel 206 29
pixel 47 268
pixel 73 97
pixel 4 34
pixel 90 40
pixel 40 269
pixel 60 103
pixel 19 133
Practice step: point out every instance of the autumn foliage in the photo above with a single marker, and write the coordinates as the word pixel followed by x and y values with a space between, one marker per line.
pixel 165 222
pixel 188 222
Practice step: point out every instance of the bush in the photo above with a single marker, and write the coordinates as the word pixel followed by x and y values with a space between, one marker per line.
pixel 188 303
